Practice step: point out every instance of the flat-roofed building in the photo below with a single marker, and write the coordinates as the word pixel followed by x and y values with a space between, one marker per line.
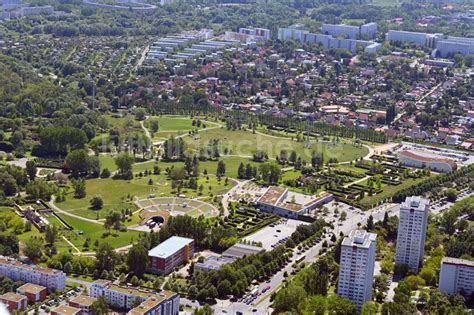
pixel 14 302
pixel 356 271
pixel 420 160
pixel 241 250
pixel 420 39
pixel 34 293
pixel 65 310
pixel 279 201
pixel 82 302
pixel 213 263
pixel 412 232
pixel 124 298
pixel 456 276
pixel 170 254
pixel 163 303
pixel 17 271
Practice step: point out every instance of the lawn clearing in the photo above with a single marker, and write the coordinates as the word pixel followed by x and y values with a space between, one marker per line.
pixel 244 143
pixel 120 194
pixel 175 126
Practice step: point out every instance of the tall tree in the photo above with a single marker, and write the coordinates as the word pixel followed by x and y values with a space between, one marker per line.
pixel 137 259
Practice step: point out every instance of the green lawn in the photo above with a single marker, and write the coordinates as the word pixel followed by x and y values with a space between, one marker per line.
pixel 244 143
pixel 107 161
pixel 175 126
pixel 83 230
pixel 388 191
pixel 115 193
pixel 232 165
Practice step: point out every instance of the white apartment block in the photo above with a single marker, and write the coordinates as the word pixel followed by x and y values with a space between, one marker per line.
pixel 356 272
pixel 412 232
pixel 367 31
pixel 17 271
pixel 124 297
pixel 421 39
pixel 456 276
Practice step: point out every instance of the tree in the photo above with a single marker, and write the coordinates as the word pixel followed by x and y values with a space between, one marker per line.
pixel 31 169
pixel 137 259
pixel 220 168
pixel 77 162
pixel 140 114
pixel 124 162
pixel 288 299
pixel 33 248
pixel 205 310
pixel 370 223
pixel 451 194
pixel 224 288
pixel 369 308
pixel 112 219
pixel 105 173
pixel 96 202
pixel 316 305
pixel 40 189
pixel 100 306
pixel 105 257
pixel 340 306
pixel 79 186
pixel 154 125
pixel 50 233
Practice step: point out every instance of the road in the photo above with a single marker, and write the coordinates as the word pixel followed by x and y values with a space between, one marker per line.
pixel 262 304
pixel 399 115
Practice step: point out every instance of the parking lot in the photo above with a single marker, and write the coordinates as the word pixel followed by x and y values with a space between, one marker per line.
pixel 275 233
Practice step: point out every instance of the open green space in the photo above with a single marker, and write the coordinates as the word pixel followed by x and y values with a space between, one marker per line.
pixel 244 143
pixel 232 165
pixel 95 232
pixel 120 194
pixel 175 126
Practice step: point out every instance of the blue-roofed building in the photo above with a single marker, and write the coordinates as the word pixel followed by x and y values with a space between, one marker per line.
pixel 165 257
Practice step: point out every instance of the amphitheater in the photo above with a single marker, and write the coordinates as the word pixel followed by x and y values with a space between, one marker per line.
pixel 164 207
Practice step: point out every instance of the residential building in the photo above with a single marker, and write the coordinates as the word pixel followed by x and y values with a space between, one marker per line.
pixel 163 303
pixel 449 46
pixel 170 254
pixel 412 232
pixel 82 302
pixel 434 163
pixel 278 200
pixel 8 5
pixel 14 302
pixel 356 271
pixel 17 271
pixel 65 310
pixel 420 39
pixel 456 276
pixel 257 33
pixel 341 30
pixel 327 41
pixel 34 293
pixel 367 31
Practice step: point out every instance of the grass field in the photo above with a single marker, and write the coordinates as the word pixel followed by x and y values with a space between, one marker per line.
pixel 83 230
pixel 174 126
pixel 244 143
pixel 232 165
pixel 115 193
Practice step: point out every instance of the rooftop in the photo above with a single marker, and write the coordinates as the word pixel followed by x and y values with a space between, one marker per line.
pixel 359 238
pixel 241 250
pixel 170 246
pixel 215 263
pixel 425 158
pixel 10 296
pixel 151 302
pixel 31 288
pixel 457 261
pixel 83 300
pixel 66 310
pixel 416 203
pixel 272 195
